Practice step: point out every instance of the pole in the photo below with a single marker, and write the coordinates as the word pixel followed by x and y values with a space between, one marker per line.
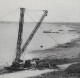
pixel 20 31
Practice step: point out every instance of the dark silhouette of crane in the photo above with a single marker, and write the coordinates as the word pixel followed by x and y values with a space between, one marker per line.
pixel 18 63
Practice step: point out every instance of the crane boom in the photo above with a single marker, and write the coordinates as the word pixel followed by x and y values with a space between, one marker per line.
pixel 34 31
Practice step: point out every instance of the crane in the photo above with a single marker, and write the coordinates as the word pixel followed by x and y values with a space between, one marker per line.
pixel 18 63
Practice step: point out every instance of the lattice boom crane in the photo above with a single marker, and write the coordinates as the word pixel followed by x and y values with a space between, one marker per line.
pixel 20 50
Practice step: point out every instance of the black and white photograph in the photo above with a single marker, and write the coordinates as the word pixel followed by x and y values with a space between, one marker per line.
pixel 39 38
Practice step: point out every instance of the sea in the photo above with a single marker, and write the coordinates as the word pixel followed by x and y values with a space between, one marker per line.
pixel 52 40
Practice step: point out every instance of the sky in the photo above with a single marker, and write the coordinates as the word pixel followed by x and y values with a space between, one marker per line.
pixel 58 10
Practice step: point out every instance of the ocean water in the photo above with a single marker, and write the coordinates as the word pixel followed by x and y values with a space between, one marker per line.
pixel 42 43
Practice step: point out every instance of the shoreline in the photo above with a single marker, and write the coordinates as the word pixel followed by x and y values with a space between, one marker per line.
pixel 26 73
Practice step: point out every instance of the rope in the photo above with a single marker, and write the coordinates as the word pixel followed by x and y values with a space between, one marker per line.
pixel 49 36
pixel 42 28
pixel 34 10
pixel 30 17
pixel 36 14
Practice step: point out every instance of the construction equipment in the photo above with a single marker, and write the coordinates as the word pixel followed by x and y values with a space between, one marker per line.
pixel 18 63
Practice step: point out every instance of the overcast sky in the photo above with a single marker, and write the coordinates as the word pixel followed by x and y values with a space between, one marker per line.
pixel 59 10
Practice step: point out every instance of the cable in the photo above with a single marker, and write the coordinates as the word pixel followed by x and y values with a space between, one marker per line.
pixel 31 11
pixel 34 10
pixel 49 35
pixel 30 17
pixel 42 28
pixel 36 14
